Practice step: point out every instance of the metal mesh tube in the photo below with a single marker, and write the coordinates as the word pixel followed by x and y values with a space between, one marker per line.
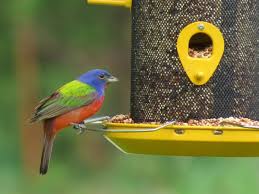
pixel 160 88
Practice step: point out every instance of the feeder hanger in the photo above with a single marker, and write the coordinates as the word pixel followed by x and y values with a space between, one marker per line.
pixel 124 3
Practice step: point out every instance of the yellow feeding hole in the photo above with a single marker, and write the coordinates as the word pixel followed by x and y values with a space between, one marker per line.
pixel 200 47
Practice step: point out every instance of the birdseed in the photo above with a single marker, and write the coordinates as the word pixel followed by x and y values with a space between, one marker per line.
pixel 230 121
pixel 196 52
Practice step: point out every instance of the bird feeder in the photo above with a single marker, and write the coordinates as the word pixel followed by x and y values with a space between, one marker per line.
pixel 169 83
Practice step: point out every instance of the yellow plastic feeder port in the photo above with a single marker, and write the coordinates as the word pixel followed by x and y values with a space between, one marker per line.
pixel 200 70
pixel 185 140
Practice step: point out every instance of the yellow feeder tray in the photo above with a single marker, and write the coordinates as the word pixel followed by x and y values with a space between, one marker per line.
pixel 185 140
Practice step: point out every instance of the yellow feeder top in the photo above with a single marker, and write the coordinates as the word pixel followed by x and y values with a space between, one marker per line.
pixel 124 3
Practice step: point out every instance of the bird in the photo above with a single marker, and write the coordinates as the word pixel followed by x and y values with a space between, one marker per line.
pixel 72 103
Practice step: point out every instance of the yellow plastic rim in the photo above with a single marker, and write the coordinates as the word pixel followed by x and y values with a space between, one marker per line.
pixel 143 125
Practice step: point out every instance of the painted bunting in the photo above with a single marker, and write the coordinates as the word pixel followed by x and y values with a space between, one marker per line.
pixel 72 103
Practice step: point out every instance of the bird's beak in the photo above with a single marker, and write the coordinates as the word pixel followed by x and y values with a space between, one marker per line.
pixel 112 79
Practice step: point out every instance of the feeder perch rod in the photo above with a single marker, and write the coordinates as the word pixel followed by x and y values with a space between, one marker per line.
pixel 92 120
pixel 241 125
pixel 98 124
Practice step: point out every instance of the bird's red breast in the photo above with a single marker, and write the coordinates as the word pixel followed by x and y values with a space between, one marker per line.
pixel 77 115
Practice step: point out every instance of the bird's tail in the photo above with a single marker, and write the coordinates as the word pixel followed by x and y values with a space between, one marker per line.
pixel 46 152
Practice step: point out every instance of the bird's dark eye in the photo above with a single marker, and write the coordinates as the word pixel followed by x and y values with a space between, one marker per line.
pixel 101 76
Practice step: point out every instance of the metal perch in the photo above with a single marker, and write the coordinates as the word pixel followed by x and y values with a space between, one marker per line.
pixel 98 124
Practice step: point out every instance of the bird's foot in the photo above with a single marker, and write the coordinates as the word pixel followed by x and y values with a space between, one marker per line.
pixel 80 128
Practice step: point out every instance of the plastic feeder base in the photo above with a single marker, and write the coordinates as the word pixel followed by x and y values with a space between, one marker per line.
pixel 185 140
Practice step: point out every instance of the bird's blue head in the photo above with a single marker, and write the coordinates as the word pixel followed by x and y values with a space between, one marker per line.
pixel 98 79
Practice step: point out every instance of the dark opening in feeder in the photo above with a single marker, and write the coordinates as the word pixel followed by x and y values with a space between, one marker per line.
pixel 169 82
pixel 200 46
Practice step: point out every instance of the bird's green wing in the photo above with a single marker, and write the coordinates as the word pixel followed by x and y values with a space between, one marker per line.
pixel 72 95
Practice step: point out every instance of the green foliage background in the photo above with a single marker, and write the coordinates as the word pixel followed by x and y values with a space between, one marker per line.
pixel 71 38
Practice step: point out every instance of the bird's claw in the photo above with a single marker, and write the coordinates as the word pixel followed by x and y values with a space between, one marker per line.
pixel 79 128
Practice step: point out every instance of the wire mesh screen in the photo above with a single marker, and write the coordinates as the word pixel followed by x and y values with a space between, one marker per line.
pixel 160 88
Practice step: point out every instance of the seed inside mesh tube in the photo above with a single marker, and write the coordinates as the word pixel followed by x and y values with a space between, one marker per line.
pixel 160 89
pixel 196 52
pixel 230 121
